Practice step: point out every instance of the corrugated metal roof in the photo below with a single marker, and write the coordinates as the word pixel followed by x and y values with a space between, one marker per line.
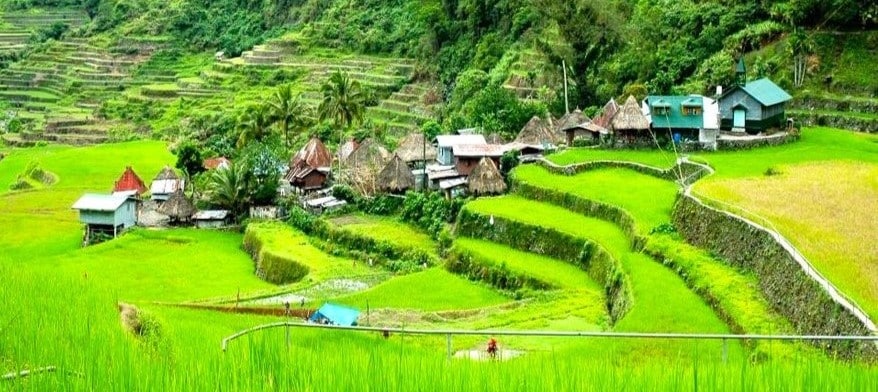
pixel 442 174
pixel 675 118
pixel 477 150
pixel 165 187
pixel 766 92
pixel 448 184
pixel 453 140
pixel 96 202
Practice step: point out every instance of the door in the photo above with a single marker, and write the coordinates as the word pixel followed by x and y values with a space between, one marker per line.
pixel 739 115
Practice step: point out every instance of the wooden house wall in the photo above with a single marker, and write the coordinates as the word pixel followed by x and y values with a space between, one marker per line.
pixel 314 180
pixel 726 104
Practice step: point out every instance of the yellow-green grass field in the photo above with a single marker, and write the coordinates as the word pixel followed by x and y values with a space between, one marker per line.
pixel 829 210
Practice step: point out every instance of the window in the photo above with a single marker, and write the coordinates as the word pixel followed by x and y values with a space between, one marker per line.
pixel 691 111
pixel 662 110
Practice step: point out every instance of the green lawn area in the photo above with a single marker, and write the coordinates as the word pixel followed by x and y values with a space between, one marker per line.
pixel 386 229
pixel 433 289
pixel 555 272
pixel 648 199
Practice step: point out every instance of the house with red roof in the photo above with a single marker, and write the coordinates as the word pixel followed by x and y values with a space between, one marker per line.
pixel 130 181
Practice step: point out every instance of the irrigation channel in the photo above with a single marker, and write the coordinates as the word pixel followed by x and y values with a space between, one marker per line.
pixel 549 334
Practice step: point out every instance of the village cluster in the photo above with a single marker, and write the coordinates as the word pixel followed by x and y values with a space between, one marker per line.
pixel 464 163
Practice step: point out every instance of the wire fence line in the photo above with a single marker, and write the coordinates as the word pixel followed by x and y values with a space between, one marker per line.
pixel 449 333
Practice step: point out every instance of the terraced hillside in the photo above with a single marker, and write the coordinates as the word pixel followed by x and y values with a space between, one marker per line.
pixel 55 92
pixel 17 28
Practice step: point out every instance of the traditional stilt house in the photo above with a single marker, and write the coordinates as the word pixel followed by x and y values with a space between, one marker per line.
pixel 165 184
pixel 630 126
pixel 130 182
pixel 177 207
pixel 346 149
pixel 603 119
pixel 309 169
pixel 486 179
pixel 106 214
pixel 364 164
pixel 396 177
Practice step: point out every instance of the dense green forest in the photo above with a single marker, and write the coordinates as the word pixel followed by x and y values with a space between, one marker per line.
pixel 474 48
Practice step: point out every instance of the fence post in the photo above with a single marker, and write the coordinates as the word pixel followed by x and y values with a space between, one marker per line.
pixel 448 345
pixel 725 350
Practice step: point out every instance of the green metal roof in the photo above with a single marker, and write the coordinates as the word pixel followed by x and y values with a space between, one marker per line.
pixel 766 92
pixel 675 117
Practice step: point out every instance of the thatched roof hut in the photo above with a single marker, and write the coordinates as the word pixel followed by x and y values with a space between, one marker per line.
pixel 368 153
pixel 167 174
pixel 314 154
pixel 630 117
pixel 536 133
pixel 485 179
pixel 364 164
pixel 413 148
pixel 177 207
pixel 396 177
pixel 345 150
pixel 571 120
pixel 609 110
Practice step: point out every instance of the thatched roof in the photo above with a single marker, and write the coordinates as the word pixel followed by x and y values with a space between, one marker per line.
pixel 412 148
pixel 536 132
pixel 630 117
pixel 167 174
pixel 495 138
pixel 571 120
pixel 396 176
pixel 314 154
pixel 347 148
pixel 177 207
pixel 485 179
pixel 606 115
pixel 368 153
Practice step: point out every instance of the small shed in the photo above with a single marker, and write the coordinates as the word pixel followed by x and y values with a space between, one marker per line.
pixel 211 219
pixel 177 207
pixel 332 314
pixel 415 150
pixel 446 143
pixel 570 125
pixel 396 177
pixel 486 179
pixel 107 214
pixel 130 181
pixel 165 184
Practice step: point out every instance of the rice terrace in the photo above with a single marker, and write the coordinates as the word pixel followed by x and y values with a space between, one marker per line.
pixel 438 195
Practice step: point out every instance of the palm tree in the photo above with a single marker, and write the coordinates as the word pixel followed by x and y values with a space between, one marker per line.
pixel 289 111
pixel 343 101
pixel 227 188
pixel 254 124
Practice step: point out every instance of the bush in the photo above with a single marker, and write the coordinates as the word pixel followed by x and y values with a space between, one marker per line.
pixel 430 211
pixel 279 270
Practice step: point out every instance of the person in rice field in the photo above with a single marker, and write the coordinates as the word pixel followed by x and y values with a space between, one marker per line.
pixel 492 348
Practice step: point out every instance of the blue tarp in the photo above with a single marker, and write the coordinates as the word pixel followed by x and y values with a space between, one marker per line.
pixel 336 314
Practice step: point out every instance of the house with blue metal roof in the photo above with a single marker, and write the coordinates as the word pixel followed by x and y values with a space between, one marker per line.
pixel 333 314
pixel 752 107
